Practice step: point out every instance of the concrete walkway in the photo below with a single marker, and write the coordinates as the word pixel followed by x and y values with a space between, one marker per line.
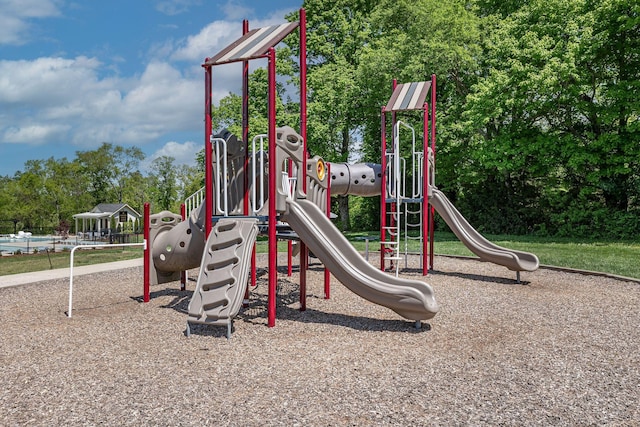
pixel 61 273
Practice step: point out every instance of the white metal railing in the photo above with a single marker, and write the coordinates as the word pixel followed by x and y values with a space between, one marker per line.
pixel 222 172
pixel 143 244
pixel 258 155
pixel 193 201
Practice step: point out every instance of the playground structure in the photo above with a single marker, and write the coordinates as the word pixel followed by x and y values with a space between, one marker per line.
pixel 275 189
pixel 404 207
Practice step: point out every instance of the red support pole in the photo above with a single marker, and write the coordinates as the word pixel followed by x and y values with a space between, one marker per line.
pixel 426 230
pixel 289 242
pixel 208 155
pixel 304 266
pixel 303 90
pixel 273 244
pixel 183 274
pixel 245 122
pixel 147 253
pixel 327 273
pixel 383 186
pixel 433 148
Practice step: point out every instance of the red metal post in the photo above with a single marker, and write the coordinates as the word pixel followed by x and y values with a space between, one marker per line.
pixel 147 253
pixel 327 273
pixel 426 233
pixel 245 122
pixel 253 268
pixel 304 266
pixel 208 155
pixel 273 244
pixel 289 242
pixel 383 191
pixel 303 90
pixel 183 274
pixel 433 148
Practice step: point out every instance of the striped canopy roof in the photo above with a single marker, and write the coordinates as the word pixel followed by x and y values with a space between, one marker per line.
pixel 254 44
pixel 408 96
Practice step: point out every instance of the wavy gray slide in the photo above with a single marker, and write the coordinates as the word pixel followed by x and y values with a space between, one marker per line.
pixel 411 299
pixel 476 243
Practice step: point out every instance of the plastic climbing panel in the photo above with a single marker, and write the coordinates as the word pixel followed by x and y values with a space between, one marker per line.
pixel 224 270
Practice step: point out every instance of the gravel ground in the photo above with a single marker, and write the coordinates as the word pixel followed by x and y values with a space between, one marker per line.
pixel 559 349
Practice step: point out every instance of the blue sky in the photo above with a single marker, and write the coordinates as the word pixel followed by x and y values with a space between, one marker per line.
pixel 75 74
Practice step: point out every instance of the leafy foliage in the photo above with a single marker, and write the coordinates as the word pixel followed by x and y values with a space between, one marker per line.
pixel 538 112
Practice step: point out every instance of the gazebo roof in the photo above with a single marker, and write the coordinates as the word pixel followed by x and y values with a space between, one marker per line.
pixel 105 210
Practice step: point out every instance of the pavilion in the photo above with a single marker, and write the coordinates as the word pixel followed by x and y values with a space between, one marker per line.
pixel 99 220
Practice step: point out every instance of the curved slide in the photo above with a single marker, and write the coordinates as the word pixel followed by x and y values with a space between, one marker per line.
pixel 411 299
pixel 476 243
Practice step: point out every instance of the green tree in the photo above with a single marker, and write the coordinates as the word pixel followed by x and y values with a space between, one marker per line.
pixel 163 184
pixel 228 113
pixel 336 31
pixel 108 169
pixel 555 116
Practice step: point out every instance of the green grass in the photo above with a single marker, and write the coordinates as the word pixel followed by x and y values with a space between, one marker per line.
pixel 619 258
pixel 17 264
pixel 610 257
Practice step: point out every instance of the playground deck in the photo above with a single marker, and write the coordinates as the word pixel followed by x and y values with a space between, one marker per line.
pixel 559 349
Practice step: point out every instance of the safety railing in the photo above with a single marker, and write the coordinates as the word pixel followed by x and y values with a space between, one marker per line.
pixel 143 244
pixel 222 173
pixel 193 201
pixel 259 145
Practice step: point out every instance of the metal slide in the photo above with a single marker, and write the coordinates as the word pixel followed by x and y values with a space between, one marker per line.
pixel 476 243
pixel 411 299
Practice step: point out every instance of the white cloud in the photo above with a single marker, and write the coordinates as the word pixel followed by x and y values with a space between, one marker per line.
pixel 216 36
pixel 60 101
pixel 30 132
pixel 15 16
pixel 185 153
pixel 234 10
pixel 47 81
pixel 69 102
pixel 210 40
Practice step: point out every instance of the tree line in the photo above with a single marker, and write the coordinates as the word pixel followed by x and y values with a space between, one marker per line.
pixel 45 195
pixel 538 106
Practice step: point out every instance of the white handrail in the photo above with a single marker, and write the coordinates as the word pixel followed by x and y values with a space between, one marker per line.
pixel 222 175
pixel 193 201
pixel 143 244
pixel 256 180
